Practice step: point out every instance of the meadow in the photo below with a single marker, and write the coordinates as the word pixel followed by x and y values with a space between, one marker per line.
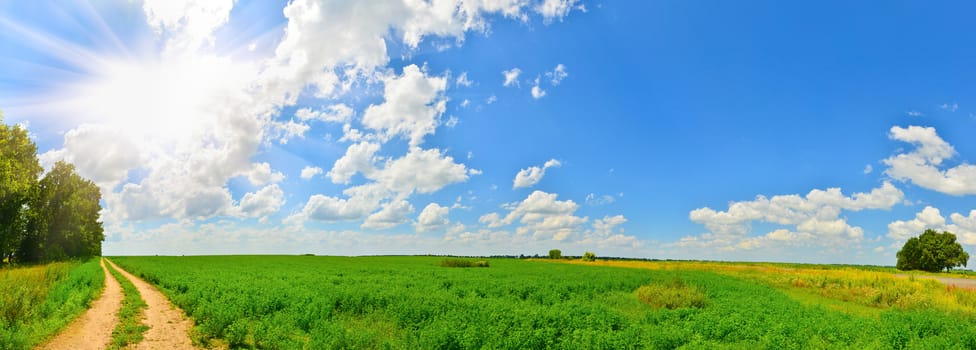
pixel 38 301
pixel 422 302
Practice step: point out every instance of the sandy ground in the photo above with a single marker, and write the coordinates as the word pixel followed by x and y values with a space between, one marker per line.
pixel 168 326
pixel 93 329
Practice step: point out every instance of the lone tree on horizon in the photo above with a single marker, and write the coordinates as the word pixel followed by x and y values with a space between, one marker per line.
pixel 933 252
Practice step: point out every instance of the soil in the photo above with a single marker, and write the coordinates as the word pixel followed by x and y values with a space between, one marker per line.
pixel 168 326
pixel 93 329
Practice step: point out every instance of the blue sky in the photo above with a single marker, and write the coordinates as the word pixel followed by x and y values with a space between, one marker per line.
pixel 820 132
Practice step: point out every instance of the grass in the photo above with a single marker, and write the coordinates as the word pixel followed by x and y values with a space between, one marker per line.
pixel 672 295
pixel 130 328
pixel 860 291
pixel 409 302
pixel 451 262
pixel 38 301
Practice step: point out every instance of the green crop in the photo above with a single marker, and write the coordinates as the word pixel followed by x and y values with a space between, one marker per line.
pixel 295 302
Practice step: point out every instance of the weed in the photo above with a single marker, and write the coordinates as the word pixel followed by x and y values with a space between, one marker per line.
pixel 463 263
pixel 672 295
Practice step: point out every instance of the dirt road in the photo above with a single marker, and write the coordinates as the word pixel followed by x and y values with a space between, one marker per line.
pixel 93 329
pixel 964 283
pixel 168 326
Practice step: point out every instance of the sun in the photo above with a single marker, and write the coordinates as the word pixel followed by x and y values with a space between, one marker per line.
pixel 160 100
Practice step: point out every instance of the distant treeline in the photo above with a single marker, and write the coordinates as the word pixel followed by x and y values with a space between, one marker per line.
pixel 54 218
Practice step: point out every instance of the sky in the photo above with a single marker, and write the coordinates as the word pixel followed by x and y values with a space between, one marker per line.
pixel 826 132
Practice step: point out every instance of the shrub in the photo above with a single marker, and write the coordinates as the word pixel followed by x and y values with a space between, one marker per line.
pixel 555 254
pixel 589 256
pixel 672 295
pixel 463 263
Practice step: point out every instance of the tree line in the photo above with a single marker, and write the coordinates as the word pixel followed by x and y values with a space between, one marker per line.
pixel 44 219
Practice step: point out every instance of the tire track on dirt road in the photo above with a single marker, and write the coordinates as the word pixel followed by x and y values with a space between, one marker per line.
pixel 168 326
pixel 93 329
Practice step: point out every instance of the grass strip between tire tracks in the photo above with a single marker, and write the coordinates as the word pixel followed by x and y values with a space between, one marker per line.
pixel 130 328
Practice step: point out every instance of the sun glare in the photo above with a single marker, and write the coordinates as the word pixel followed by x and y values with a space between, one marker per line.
pixel 162 100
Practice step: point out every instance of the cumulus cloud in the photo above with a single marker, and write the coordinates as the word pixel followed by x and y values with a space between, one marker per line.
pixel 261 173
pixel 530 176
pixel 555 9
pixel 392 214
pixel 815 217
pixel 542 217
pixel 262 203
pixel 432 218
pixel 414 103
pixel 189 23
pixel 303 58
pixel 360 202
pixel 537 92
pixel 100 153
pixel 511 77
pixel 924 165
pixel 423 171
pixel 309 172
pixel 964 227
pixel 359 158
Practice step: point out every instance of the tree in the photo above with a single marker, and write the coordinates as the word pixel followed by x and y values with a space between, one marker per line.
pixel 63 218
pixel 932 251
pixel 19 170
pixel 555 254
pixel 589 256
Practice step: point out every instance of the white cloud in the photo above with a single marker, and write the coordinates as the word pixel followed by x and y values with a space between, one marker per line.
pixel 462 80
pixel 451 122
pixel 557 75
pixel 358 32
pixel 923 165
pixel 491 99
pixel 964 227
pixel 532 175
pixel 262 203
pixel 413 104
pixel 423 171
pixel 555 9
pixel 261 173
pixel 432 218
pixel 190 23
pixel 362 200
pixel 100 153
pixel 816 217
pixel 359 158
pixel 542 216
pixel 309 172
pixel 537 92
pixel 289 130
pixel 337 113
pixel 393 214
pixel 511 77
pixel 594 200
pixel 914 113
pixel 868 169
pixel 951 107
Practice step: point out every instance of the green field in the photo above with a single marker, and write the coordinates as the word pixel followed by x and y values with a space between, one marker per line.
pixel 415 302
pixel 38 301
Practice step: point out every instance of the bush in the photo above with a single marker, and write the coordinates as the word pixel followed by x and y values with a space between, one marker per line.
pixel 555 254
pixel 672 295
pixel 589 256
pixel 463 263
